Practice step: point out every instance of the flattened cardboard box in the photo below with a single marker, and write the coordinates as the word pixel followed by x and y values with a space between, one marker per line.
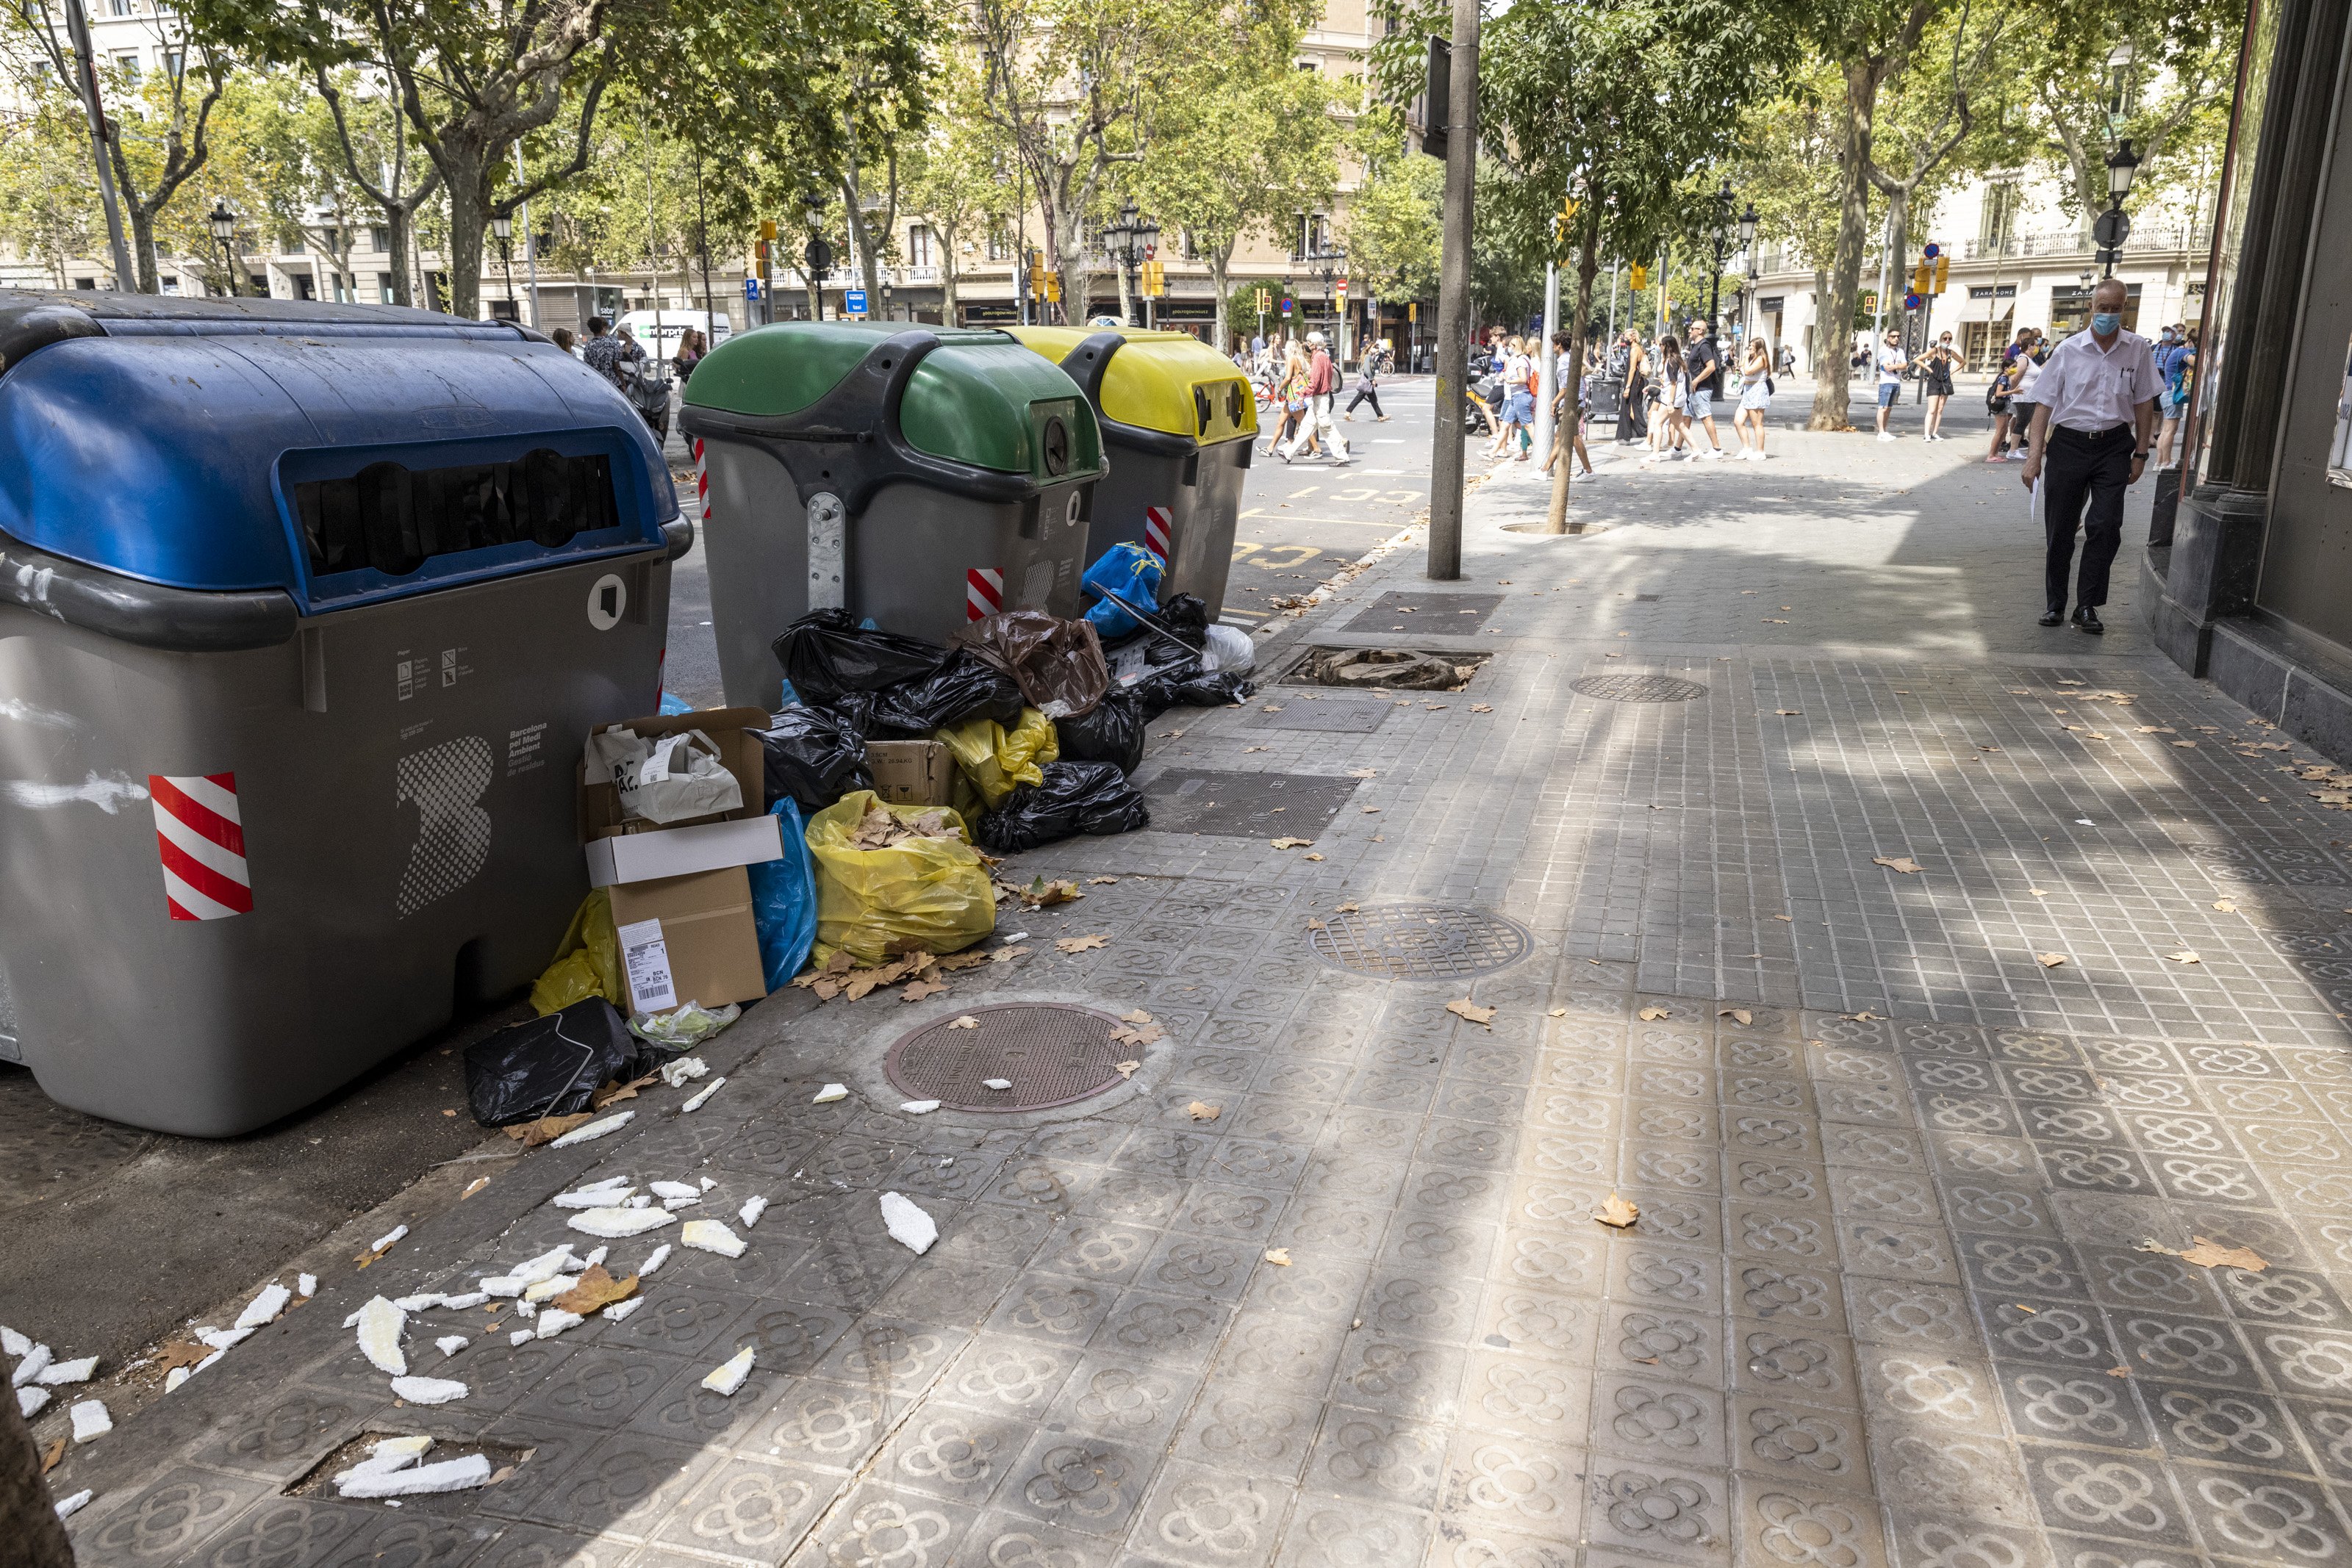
pixel 911 772
pixel 708 926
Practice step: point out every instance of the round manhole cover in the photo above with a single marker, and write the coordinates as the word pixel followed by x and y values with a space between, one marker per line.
pixel 1052 1054
pixel 1639 688
pixel 1421 942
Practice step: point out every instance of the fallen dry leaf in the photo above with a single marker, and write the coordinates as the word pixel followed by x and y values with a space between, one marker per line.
pixel 1738 1015
pixel 1127 1069
pixel 52 1455
pixel 1364 773
pixel 1903 863
pixel 1654 1012
pixel 1201 1110
pixel 1100 881
pixel 2212 1255
pixel 2225 906
pixel 1789 712
pixel 595 1288
pixel 1314 925
pixel 917 990
pixel 614 1091
pixel 1482 707
pixel 1861 1016
pixel 1292 843
pixel 477 1184
pixel 1465 1008
pixel 181 1353
pixel 2186 745
pixel 2051 960
pixel 1345 909
pixel 967 1021
pixel 2184 957
pixel 1131 1034
pixel 2119 1372
pixel 1137 1016
pixel 1311 857
pixel 1560 1012
pixel 1616 1213
pixel 547 1129
pixel 1279 1256
pixel 1080 944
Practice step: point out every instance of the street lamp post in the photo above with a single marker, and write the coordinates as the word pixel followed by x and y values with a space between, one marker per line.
pixel 816 256
pixel 1129 239
pixel 2114 226
pixel 1748 223
pixel 1720 236
pixel 224 226
pixel 888 292
pixel 502 226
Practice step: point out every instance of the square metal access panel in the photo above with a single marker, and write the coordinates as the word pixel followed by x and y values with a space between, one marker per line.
pixel 1342 716
pixel 1245 805
pixel 1427 614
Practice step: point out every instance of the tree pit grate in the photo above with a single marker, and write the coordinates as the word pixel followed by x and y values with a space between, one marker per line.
pixel 1638 688
pixel 1054 1054
pixel 1421 942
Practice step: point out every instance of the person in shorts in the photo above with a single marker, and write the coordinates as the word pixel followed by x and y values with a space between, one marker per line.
pixel 1892 363
pixel 1755 397
pixel 1703 364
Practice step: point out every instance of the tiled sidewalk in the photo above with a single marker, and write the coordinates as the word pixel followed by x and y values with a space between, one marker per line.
pixel 1889 1298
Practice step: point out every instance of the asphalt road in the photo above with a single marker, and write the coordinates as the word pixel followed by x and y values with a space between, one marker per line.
pixel 1300 522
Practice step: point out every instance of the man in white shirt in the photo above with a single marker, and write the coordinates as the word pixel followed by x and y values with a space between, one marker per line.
pixel 2093 420
pixel 1891 361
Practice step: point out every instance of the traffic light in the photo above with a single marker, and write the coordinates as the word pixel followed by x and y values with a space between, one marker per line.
pixel 1943 269
pixel 1919 279
pixel 1640 278
pixel 1054 287
pixel 1265 301
pixel 1155 278
pixel 1036 275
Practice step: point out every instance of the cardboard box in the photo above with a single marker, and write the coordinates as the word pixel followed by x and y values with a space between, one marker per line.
pixel 911 772
pixel 703 940
pixel 681 852
pixel 735 731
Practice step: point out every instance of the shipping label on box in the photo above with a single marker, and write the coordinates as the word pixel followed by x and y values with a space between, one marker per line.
pixel 645 956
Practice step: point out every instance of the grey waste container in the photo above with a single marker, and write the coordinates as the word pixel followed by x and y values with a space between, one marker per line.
pixel 1179 424
pixel 920 479
pixel 305 610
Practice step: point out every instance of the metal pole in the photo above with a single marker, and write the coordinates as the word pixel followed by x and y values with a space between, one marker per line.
pixel 1452 349
pixel 529 251
pixel 1548 372
pixel 702 240
pixel 1612 305
pixel 77 31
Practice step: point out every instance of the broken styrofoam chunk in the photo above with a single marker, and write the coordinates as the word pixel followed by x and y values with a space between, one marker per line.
pixel 653 1259
pixel 451 1343
pixel 467 1303
pixel 450 1475
pixel 919 1107
pixel 380 1326
pixel 388 1237
pixel 14 1344
pixel 612 1223
pixel 499 1285
pixel 677 1073
pixel 728 1376
pixel 830 1093
pixel 206 1362
pixel 418 1303
pixel 63 1371
pixel 676 1189
pixel 711 1236
pixel 227 1339
pixel 526 1309
pixel 594 1130
pixel 69 1507
pixel 546 1266
pixel 672 1205
pixel 306 1285
pixel 996 1083
pixel 554 1321
pixel 594 1258
pixel 428 1390
pixel 391 1454
pixel 173 1378
pixel 592 1197
pixel 91 1420
pixel 522 1336
pixel 30 1400
pixel 620 1309
pixel 547 1290
pixel 708 1183
pixel 908 1224
pixel 702 1095
pixel 264 1307
pixel 30 1366
pixel 750 1213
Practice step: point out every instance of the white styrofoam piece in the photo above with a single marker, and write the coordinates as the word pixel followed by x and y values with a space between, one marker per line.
pixel 919 1107
pixel 522 1336
pixel 591 1196
pixel 388 1237
pixel 996 1083
pixel 594 1130
pixel 30 1366
pixel 30 1401
pixel 306 1285
pixel 612 1224
pixel 465 1302
pixel 264 1307
pixel 594 1258
pixel 450 1475
pixel 91 1420
pixel 728 1376
pixel 654 1260
pixel 620 1309
pixel 554 1321
pixel 546 1266
pixel 63 1371
pixel 750 1213
pixel 451 1343
pixel 676 1189
pixel 173 1378
pixel 226 1339
pixel 702 1095
pixel 708 1183
pixel 428 1390
pixel 908 1224
pixel 678 1073
pixel 12 1344
pixel 672 1205
pixel 69 1507
pixel 830 1093
pixel 548 1288
pixel 380 1326
pixel 711 1236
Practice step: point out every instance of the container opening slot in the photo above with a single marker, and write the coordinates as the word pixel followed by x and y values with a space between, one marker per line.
pixel 391 519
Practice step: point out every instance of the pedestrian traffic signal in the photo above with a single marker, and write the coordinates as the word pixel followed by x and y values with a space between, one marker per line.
pixel 1264 302
pixel 1155 278
pixel 1054 287
pixel 1036 277
pixel 767 231
pixel 1943 269
pixel 1641 275
pixel 1919 279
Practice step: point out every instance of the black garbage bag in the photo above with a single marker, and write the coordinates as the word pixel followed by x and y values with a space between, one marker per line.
pixel 1076 798
pixel 966 686
pixel 813 755
pixel 1111 731
pixel 1187 616
pixel 825 653
pixel 856 710
pixel 1186 685
pixel 549 1066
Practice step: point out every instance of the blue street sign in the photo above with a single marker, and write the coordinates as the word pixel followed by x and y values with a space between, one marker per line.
pixel 1910 301
pixel 751 288
pixel 854 301
pixel 1285 307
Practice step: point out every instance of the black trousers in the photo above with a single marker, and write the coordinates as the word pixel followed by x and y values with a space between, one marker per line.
pixel 1363 394
pixel 2079 468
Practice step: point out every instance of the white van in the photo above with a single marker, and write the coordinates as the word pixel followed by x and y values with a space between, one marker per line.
pixel 661 339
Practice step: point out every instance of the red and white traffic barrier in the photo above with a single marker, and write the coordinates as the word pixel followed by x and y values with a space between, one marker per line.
pixel 984 592
pixel 1159 522
pixel 201 841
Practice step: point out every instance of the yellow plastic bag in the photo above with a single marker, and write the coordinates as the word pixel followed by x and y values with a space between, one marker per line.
pixel 926 894
pixel 587 961
pixel 995 759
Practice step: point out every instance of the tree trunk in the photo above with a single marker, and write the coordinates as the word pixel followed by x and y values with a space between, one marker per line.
pixel 143 246
pixel 27 1514
pixel 1126 297
pixel 469 179
pixel 1070 261
pixel 1834 334
pixel 1588 264
pixel 397 216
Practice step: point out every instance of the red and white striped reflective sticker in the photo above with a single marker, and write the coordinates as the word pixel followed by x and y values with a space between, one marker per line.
pixel 702 479
pixel 984 592
pixel 1159 522
pixel 201 841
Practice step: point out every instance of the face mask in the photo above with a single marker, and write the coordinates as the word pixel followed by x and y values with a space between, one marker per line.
pixel 2106 322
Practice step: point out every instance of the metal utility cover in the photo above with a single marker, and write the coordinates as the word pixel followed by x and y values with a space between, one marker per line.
pixel 1639 688
pixel 1053 1054
pixel 1432 614
pixel 1421 942
pixel 1332 717
pixel 1245 805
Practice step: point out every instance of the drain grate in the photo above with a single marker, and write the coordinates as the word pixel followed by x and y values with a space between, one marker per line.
pixel 1638 688
pixel 1053 1054
pixel 1421 942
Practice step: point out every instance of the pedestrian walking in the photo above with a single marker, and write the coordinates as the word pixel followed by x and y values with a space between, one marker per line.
pixel 1891 364
pixel 1632 417
pixel 2000 402
pixel 2031 357
pixel 603 352
pixel 1566 422
pixel 1669 399
pixel 1516 403
pixel 562 338
pixel 1368 387
pixel 1788 359
pixel 2179 368
pixel 1936 372
pixel 1705 365
pixel 2094 424
pixel 1289 395
pixel 1755 397
pixel 691 350
pixel 1316 424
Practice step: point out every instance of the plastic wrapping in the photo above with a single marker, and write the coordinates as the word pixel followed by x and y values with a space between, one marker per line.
pixel 814 757
pixel 993 759
pixel 1228 648
pixel 926 894
pixel 1074 797
pixel 1188 685
pixel 826 653
pixel 551 1066
pixel 587 961
pixel 966 687
pixel 783 900
pixel 1057 663
pixel 682 1026
pixel 1130 572
pixel 1111 731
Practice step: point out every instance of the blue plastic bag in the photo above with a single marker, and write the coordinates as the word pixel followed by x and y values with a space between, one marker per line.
pixel 673 703
pixel 783 900
pixel 1132 573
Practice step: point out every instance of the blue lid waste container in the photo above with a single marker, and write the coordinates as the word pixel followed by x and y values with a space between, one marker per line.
pixel 305 611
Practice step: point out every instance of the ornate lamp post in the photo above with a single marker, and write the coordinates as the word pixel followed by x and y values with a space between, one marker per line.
pixel 1719 236
pixel 224 226
pixel 502 226
pixel 1127 240
pixel 2114 226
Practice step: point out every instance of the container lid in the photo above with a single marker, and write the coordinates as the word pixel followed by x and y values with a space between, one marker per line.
pixel 975 399
pixel 344 454
pixel 1168 382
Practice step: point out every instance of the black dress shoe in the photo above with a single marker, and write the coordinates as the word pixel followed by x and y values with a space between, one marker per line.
pixel 2053 617
pixel 2087 620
